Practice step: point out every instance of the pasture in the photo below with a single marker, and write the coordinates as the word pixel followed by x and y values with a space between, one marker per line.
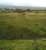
pixel 22 25
pixel 22 31
pixel 22 45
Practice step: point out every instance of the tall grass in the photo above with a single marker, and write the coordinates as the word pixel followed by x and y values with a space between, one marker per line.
pixel 18 26
pixel 22 45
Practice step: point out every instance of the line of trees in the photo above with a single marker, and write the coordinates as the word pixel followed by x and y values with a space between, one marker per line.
pixel 14 10
pixel 8 10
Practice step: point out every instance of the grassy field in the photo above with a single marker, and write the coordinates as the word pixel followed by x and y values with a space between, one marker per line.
pixel 22 45
pixel 24 26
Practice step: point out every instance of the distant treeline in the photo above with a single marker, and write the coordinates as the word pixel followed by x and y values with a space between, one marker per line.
pixel 8 10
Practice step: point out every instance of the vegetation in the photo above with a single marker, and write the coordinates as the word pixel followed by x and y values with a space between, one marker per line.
pixel 22 30
pixel 20 26
pixel 22 45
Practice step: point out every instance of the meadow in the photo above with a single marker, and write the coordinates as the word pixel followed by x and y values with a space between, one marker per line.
pixel 22 25
pixel 22 45
pixel 23 31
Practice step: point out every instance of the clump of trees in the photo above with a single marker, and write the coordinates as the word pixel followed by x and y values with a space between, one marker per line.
pixel 9 10
pixel 14 10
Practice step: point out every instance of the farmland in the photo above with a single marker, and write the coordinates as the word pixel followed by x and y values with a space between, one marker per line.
pixel 23 31
pixel 22 45
pixel 22 25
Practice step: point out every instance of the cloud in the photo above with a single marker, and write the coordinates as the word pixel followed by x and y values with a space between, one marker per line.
pixel 25 2
pixel 31 2
pixel 6 2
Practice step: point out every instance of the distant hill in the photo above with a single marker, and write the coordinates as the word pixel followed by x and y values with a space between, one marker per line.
pixel 31 8
pixel 23 7
pixel 6 6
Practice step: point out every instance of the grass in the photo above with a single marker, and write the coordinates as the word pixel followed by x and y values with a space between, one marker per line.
pixel 22 45
pixel 17 26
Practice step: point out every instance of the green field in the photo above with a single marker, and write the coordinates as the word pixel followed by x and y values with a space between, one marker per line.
pixel 22 45
pixel 22 31
pixel 22 25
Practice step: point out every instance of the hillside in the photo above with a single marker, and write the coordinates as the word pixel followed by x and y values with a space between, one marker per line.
pixel 23 7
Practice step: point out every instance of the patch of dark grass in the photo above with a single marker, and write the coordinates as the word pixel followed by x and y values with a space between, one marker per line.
pixel 11 32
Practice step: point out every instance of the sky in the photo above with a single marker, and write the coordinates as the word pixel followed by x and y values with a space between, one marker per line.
pixel 37 3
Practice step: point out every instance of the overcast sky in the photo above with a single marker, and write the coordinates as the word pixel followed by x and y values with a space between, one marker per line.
pixel 41 3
